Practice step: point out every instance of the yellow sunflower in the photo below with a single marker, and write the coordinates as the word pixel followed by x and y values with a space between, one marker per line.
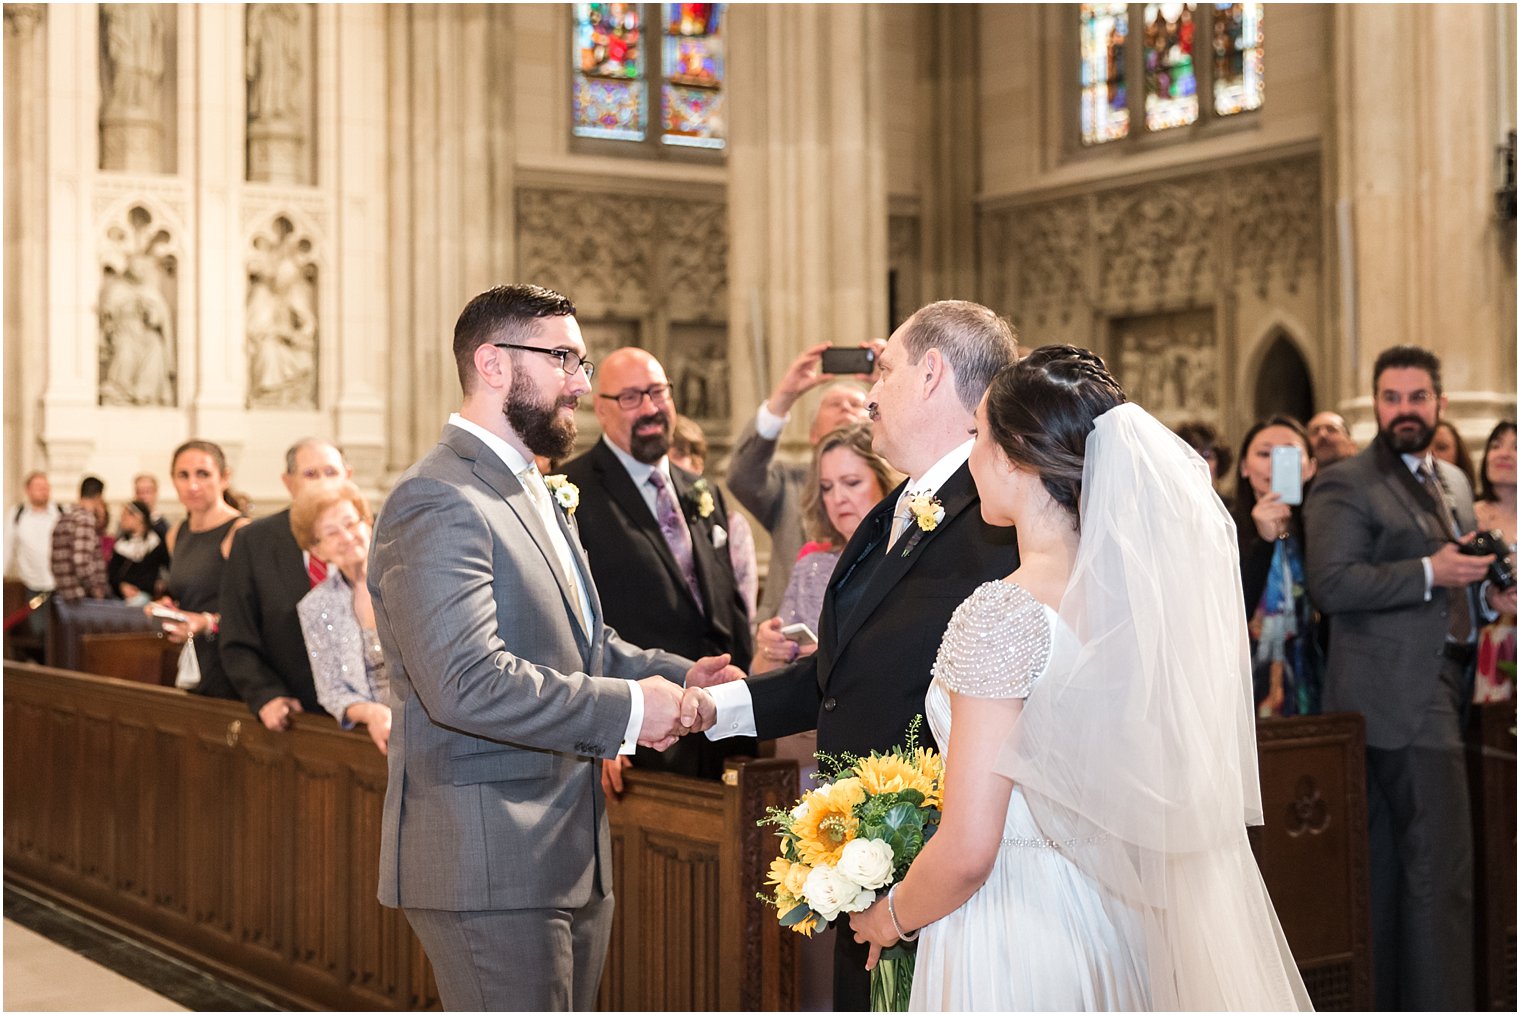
pixel 893 774
pixel 829 822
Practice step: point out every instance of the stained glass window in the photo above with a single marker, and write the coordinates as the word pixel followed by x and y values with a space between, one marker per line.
pixel 692 65
pixel 610 98
pixel 1237 58
pixel 1171 83
pixel 1105 101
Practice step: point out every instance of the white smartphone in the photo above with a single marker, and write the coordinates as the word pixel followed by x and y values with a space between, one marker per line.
pixel 800 633
pixel 1287 473
pixel 166 613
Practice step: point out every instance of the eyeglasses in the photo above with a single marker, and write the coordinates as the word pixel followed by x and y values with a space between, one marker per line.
pixel 569 360
pixel 634 397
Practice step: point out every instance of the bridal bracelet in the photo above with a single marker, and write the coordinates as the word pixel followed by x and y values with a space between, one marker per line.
pixel 892 915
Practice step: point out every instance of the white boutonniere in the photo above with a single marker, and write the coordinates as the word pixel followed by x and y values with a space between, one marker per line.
pixel 703 498
pixel 566 494
pixel 928 512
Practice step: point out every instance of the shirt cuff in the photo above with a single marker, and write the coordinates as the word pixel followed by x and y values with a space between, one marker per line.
pixel 736 710
pixel 767 424
pixel 1430 576
pixel 635 718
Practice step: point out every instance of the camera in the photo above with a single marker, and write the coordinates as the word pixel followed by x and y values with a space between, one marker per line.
pixel 1502 571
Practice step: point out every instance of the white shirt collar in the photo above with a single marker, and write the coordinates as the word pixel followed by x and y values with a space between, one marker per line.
pixel 510 456
pixel 934 477
pixel 639 471
pixel 1417 462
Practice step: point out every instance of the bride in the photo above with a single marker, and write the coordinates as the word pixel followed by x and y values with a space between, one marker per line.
pixel 1096 707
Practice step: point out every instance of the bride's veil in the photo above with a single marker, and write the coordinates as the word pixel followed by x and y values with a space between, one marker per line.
pixel 1140 759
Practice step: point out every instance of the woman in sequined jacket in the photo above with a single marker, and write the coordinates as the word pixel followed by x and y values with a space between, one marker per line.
pixel 337 617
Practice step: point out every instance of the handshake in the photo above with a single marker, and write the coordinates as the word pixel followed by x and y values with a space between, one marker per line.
pixel 671 712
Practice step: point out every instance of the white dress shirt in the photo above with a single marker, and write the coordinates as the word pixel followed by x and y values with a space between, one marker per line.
pixel 736 708
pixel 517 464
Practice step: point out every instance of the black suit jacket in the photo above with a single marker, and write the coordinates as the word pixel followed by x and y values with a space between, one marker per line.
pixel 261 645
pixel 877 641
pixel 643 594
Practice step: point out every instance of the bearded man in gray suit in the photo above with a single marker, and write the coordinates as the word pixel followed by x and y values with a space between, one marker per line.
pixel 507 688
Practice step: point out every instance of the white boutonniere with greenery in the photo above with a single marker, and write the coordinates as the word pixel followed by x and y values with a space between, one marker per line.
pixel 928 512
pixel 566 494
pixel 702 498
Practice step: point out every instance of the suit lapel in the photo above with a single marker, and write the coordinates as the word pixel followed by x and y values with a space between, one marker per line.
pixel 708 560
pixel 493 472
pixel 1426 515
pixel 955 495
pixel 621 489
pixel 867 540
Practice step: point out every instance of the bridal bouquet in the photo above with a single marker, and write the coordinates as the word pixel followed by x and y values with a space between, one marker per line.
pixel 854 835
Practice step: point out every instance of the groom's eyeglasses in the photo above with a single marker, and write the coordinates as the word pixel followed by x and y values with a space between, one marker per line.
pixel 569 360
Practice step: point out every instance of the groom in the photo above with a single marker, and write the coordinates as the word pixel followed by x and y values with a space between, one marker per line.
pixel 506 687
pixel 897 581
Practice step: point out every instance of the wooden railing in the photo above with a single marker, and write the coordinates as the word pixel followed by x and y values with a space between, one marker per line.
pixel 181 821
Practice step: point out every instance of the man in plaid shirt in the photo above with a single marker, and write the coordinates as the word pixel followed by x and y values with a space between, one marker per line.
pixel 79 565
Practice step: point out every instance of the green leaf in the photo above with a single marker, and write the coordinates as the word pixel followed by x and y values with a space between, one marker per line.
pixel 796 915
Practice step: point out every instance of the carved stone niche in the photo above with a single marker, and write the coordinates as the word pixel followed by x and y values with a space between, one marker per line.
pixel 137 74
pixel 136 308
pixel 281 317
pixel 700 380
pixel 1168 363
pixel 278 65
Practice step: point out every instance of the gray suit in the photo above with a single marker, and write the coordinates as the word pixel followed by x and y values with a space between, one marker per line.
pixel 772 492
pixel 494 803
pixel 1368 523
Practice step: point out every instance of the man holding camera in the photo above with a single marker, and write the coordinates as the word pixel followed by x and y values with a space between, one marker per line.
pixel 1389 561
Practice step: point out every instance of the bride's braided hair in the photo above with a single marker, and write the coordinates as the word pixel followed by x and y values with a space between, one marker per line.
pixel 1041 409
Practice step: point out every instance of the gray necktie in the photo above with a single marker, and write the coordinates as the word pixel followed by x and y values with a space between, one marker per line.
pixel 1459 627
pixel 900 517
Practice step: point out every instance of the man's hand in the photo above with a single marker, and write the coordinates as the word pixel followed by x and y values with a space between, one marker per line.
pixel 662 713
pixel 698 710
pixel 710 670
pixel 801 377
pixel 612 774
pixel 1450 568
pixel 276 712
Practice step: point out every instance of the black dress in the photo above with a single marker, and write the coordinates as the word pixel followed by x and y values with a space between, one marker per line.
pixel 142 573
pixel 195 581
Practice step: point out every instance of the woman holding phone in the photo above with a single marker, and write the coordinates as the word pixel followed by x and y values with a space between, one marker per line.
pixel 1287 655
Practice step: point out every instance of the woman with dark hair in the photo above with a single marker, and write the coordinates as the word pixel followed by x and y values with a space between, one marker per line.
pixel 138 557
pixel 1101 759
pixel 198 550
pixel 1286 636
pixel 1448 446
pixel 1495 510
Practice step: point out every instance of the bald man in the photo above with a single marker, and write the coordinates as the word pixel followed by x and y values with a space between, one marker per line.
pixel 1330 438
pixel 654 534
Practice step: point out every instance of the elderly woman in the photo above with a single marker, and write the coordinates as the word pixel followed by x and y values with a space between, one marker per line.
pixel 337 616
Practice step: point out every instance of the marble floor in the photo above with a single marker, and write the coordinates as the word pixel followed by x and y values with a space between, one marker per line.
pixel 57 961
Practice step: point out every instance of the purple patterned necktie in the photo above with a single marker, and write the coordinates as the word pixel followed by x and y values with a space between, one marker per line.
pixel 677 535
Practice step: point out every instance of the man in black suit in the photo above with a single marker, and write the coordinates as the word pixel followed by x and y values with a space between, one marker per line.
pixel 266 575
pixel 1384 563
pixel 897 581
pixel 655 536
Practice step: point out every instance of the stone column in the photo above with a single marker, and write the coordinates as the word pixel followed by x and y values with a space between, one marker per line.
pixel 949 163
pixel 25 235
pixel 807 207
pixel 1418 124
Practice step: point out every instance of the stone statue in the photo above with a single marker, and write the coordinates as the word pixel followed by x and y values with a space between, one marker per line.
pixel 137 336
pixel 274 63
pixel 281 322
pixel 134 57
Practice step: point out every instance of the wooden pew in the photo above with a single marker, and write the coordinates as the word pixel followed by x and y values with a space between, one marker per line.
pixel 1491 777
pixel 144 656
pixel 181 821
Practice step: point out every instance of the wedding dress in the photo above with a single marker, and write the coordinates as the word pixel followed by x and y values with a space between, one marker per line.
pixel 1125 879
pixel 1039 935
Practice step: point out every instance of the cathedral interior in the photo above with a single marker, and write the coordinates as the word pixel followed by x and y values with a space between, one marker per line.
pixel 253 223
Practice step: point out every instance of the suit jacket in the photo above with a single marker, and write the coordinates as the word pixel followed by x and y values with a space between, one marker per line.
pixel 772 492
pixel 878 640
pixel 1367 523
pixel 501 701
pixel 642 589
pixel 260 640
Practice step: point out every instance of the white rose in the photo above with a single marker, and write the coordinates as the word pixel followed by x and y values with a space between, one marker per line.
pixel 801 810
pixel 861 902
pixel 826 893
pixel 866 862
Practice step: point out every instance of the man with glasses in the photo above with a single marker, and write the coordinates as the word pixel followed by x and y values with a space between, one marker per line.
pixel 1384 562
pixel 506 684
pixel 656 537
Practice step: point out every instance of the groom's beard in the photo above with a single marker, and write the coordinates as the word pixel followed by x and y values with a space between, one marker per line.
pixel 536 419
